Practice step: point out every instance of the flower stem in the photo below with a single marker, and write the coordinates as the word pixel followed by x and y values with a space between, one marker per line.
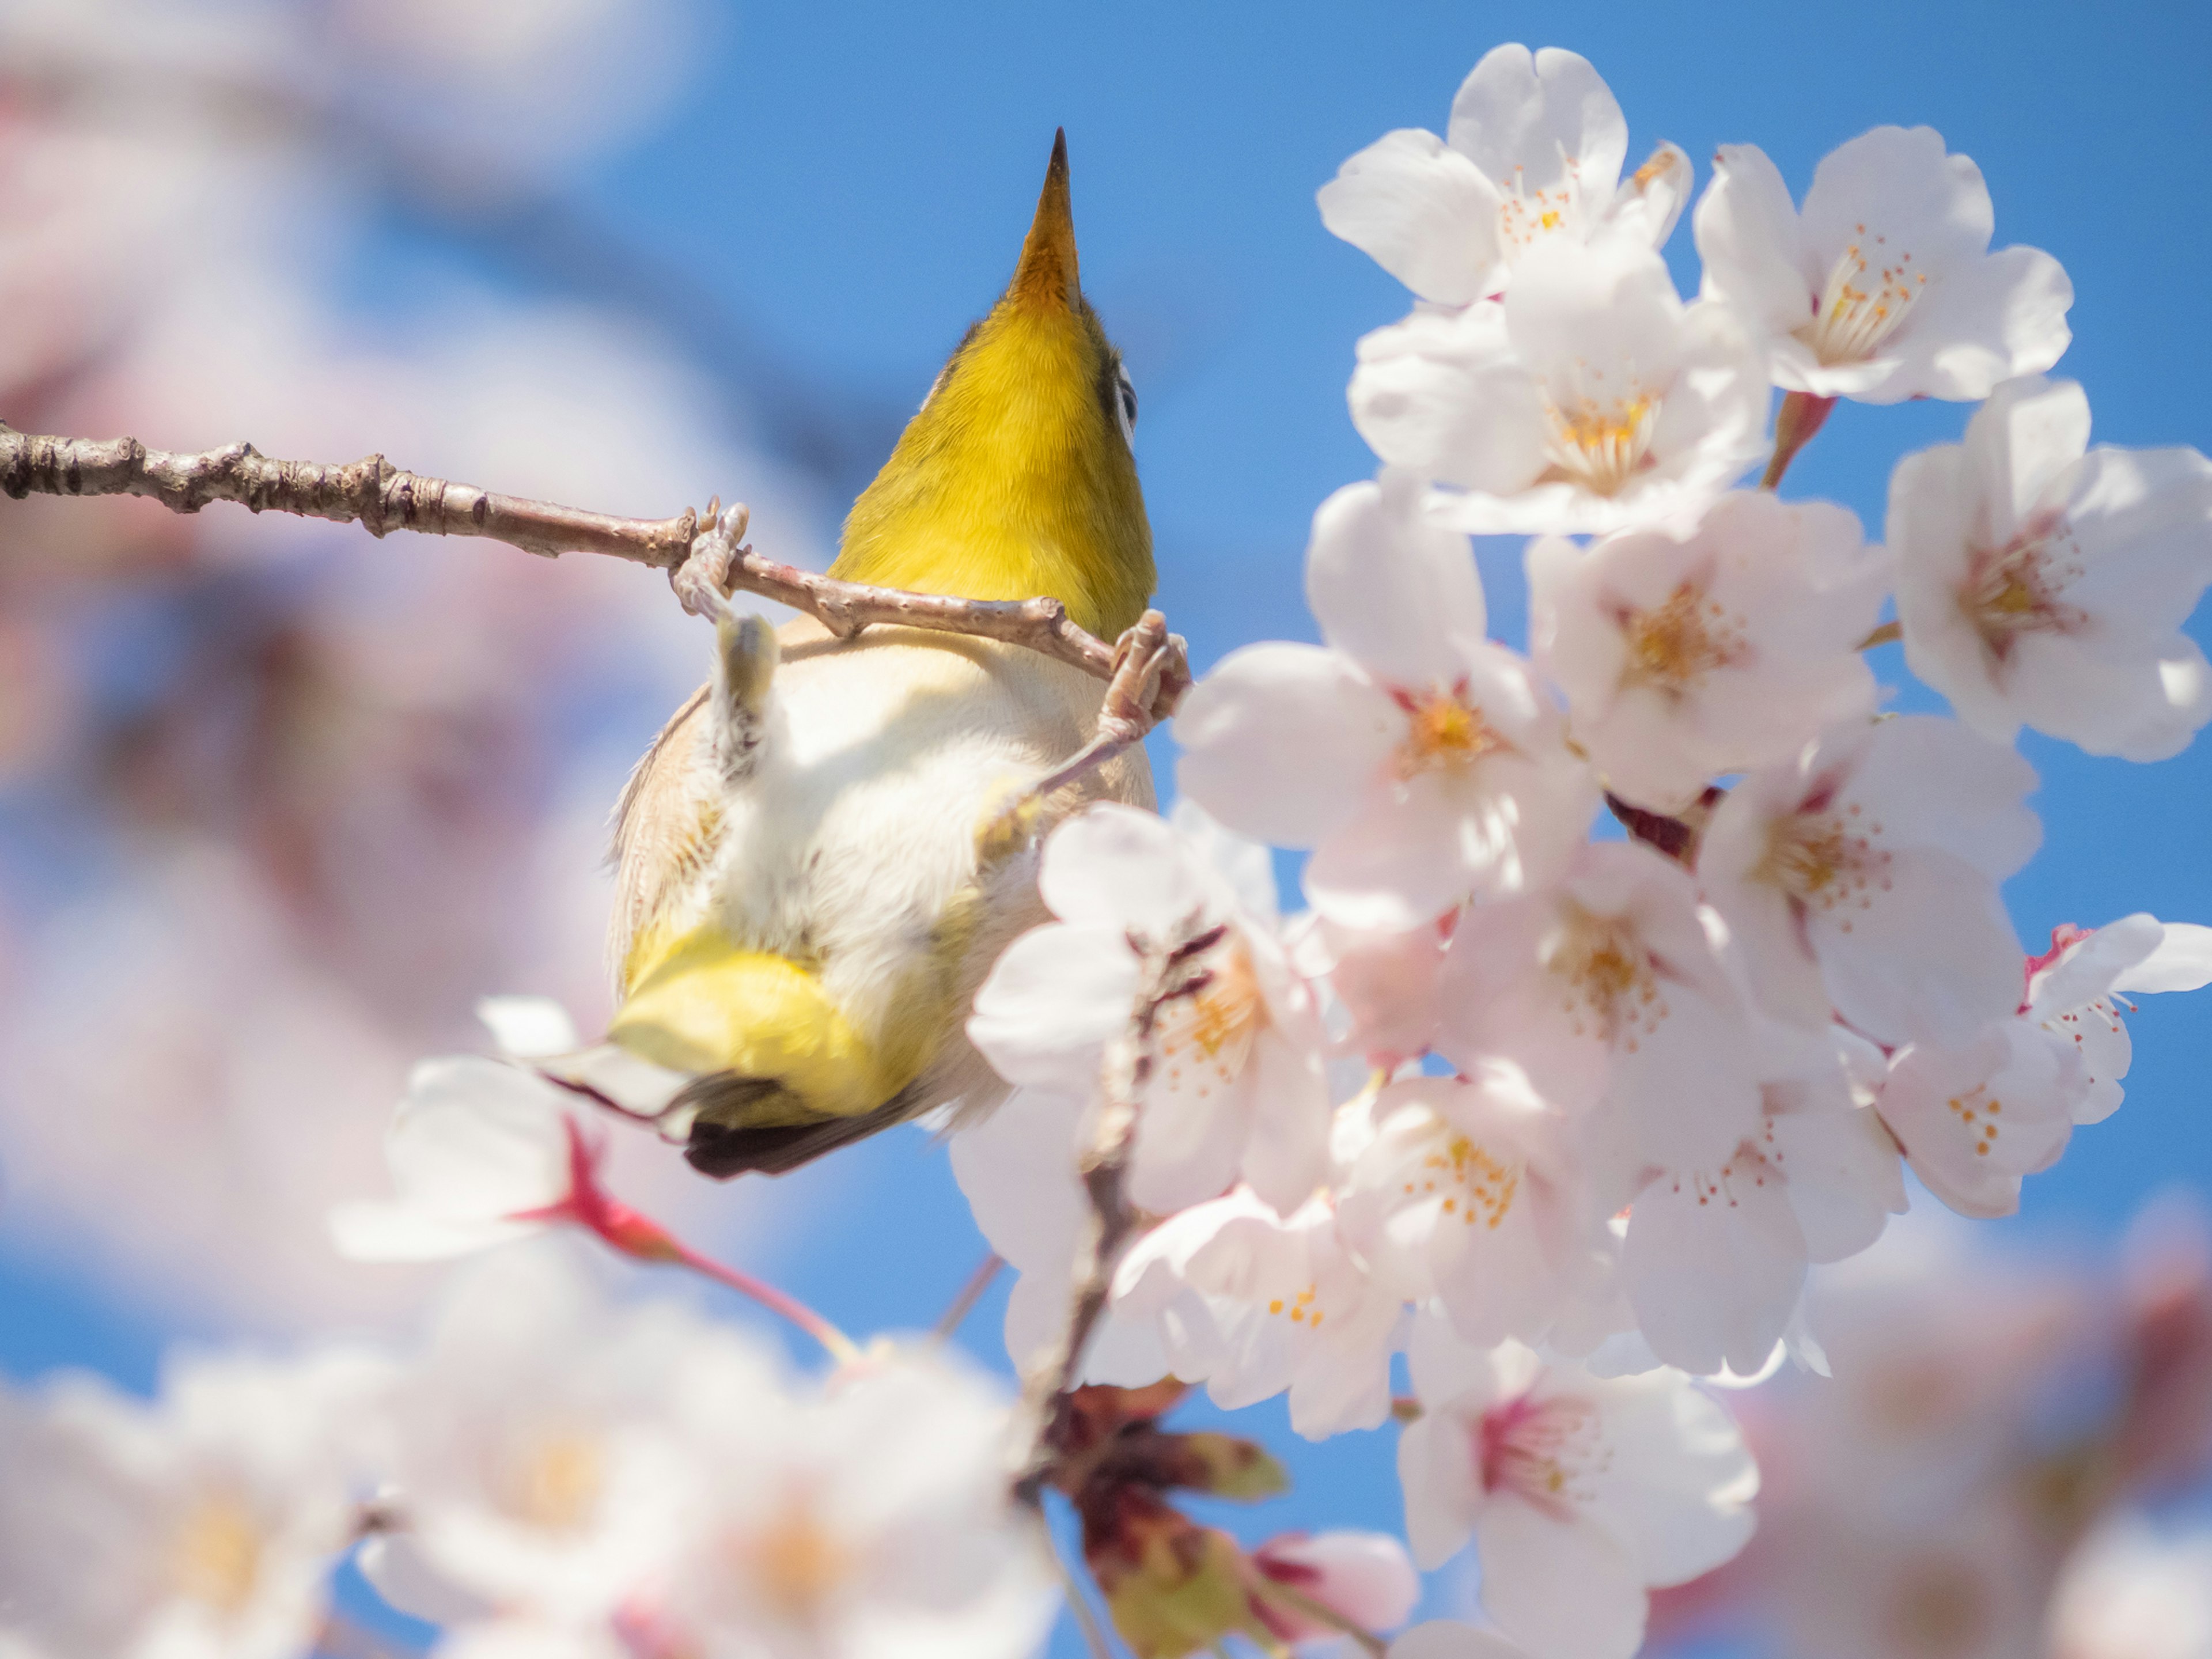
pixel 1320 1613
pixel 1800 417
pixel 1078 1607
pixel 841 1347
pixel 970 1294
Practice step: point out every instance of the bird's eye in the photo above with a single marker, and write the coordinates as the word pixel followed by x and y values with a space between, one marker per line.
pixel 1125 405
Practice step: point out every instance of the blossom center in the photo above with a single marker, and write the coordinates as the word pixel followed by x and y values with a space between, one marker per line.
pixel 1526 216
pixel 1212 1033
pixel 215 1556
pixel 1825 860
pixel 557 1482
pixel 1679 642
pixel 797 1564
pixel 1301 1309
pixel 1870 290
pixel 1443 733
pixel 1484 1187
pixel 2020 588
pixel 1611 989
pixel 1977 1111
pixel 1600 442
pixel 1547 1452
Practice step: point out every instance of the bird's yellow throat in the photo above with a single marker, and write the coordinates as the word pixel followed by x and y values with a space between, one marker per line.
pixel 1015 477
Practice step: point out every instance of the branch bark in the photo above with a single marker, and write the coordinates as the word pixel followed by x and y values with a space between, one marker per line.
pixel 383 498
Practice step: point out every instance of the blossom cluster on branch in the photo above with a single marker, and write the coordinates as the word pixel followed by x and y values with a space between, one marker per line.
pixel 1563 1117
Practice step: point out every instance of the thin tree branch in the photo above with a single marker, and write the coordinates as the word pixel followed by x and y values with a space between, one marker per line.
pixel 1167 976
pixel 383 498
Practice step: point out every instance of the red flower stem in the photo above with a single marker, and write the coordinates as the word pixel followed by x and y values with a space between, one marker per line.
pixel 970 1294
pixel 1800 417
pixel 841 1347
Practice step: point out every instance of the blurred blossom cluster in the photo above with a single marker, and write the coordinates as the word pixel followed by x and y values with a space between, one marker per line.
pixel 1555 1122
pixel 276 803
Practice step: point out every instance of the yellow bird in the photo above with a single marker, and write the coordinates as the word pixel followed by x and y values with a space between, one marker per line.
pixel 809 890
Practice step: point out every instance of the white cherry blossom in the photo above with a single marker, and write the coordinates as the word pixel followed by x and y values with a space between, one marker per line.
pixel 1862 877
pixel 1534 150
pixel 203 1526
pixel 1579 1491
pixel 534 1454
pixel 479 1151
pixel 1884 287
pixel 2043 583
pixel 1420 761
pixel 2133 1591
pixel 1467 1195
pixel 1384 986
pixel 1251 1304
pixel 1447 1638
pixel 1684 657
pixel 1589 400
pixel 872 1521
pixel 1976 1118
pixel 1608 988
pixel 2074 991
pixel 1236 1083
pixel 1714 1261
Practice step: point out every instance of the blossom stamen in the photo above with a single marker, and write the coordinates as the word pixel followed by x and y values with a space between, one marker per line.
pixel 1824 860
pixel 1862 304
pixel 1600 443
pixel 1611 989
pixel 1443 732
pixel 215 1557
pixel 1543 1451
pixel 1676 644
pixel 2019 588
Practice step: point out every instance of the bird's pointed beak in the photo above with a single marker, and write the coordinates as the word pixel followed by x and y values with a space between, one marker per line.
pixel 1047 274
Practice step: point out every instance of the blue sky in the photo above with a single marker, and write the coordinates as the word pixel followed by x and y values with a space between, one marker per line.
pixel 853 178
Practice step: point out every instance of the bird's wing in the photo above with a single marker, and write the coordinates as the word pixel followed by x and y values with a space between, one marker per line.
pixel 659 832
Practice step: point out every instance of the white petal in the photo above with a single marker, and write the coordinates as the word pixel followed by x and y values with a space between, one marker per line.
pixel 1991 319
pixel 2182 961
pixel 477 1140
pixel 1747 234
pixel 398 1232
pixel 1563 1589
pixel 1390 590
pixel 1053 1000
pixel 1680 1483
pixel 1929 955
pixel 1435 1470
pixel 1542 118
pixel 527 1027
pixel 1445 397
pixel 1283 741
pixel 1713 1267
pixel 1444 1638
pixel 1422 211
pixel 1118 867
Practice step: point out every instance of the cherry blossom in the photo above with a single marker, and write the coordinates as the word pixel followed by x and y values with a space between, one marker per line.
pixel 1714 1259
pixel 1589 400
pixel 1381 986
pixel 201 1527
pixel 1884 287
pixel 871 1521
pixel 1534 149
pixel 1684 657
pixel 2133 1592
pixel 534 1451
pixel 1973 1120
pixel 1862 876
pixel 1420 761
pixel 1578 1492
pixel 1261 1287
pixel 1362 1577
pixel 2043 583
pixel 1235 1083
pixel 2073 990
pixel 1467 1195
pixel 1608 988
pixel 1446 1639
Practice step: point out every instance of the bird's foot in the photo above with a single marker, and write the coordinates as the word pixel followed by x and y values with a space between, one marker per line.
pixel 1151 670
pixel 701 582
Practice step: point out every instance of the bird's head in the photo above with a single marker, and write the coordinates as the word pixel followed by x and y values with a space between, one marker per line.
pixel 1016 477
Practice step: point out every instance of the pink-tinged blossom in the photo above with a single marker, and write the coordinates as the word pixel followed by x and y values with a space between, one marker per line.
pixel 2133 1592
pixel 2043 583
pixel 870 1520
pixel 1362 1577
pixel 1883 287
pixel 1235 1085
pixel 1384 985
pixel 2076 990
pixel 1862 879
pixel 1589 400
pixel 1608 988
pixel 1714 1259
pixel 1420 761
pixel 1682 658
pixel 1580 1492
pixel 1974 1118
pixel 203 1526
pixel 1447 1638
pixel 1534 150
pixel 1251 1303
pixel 1467 1195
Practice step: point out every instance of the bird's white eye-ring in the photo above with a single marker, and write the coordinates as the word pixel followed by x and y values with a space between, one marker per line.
pixel 1125 405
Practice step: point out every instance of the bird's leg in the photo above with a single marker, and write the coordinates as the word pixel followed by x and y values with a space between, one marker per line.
pixel 703 580
pixel 745 656
pixel 1151 670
